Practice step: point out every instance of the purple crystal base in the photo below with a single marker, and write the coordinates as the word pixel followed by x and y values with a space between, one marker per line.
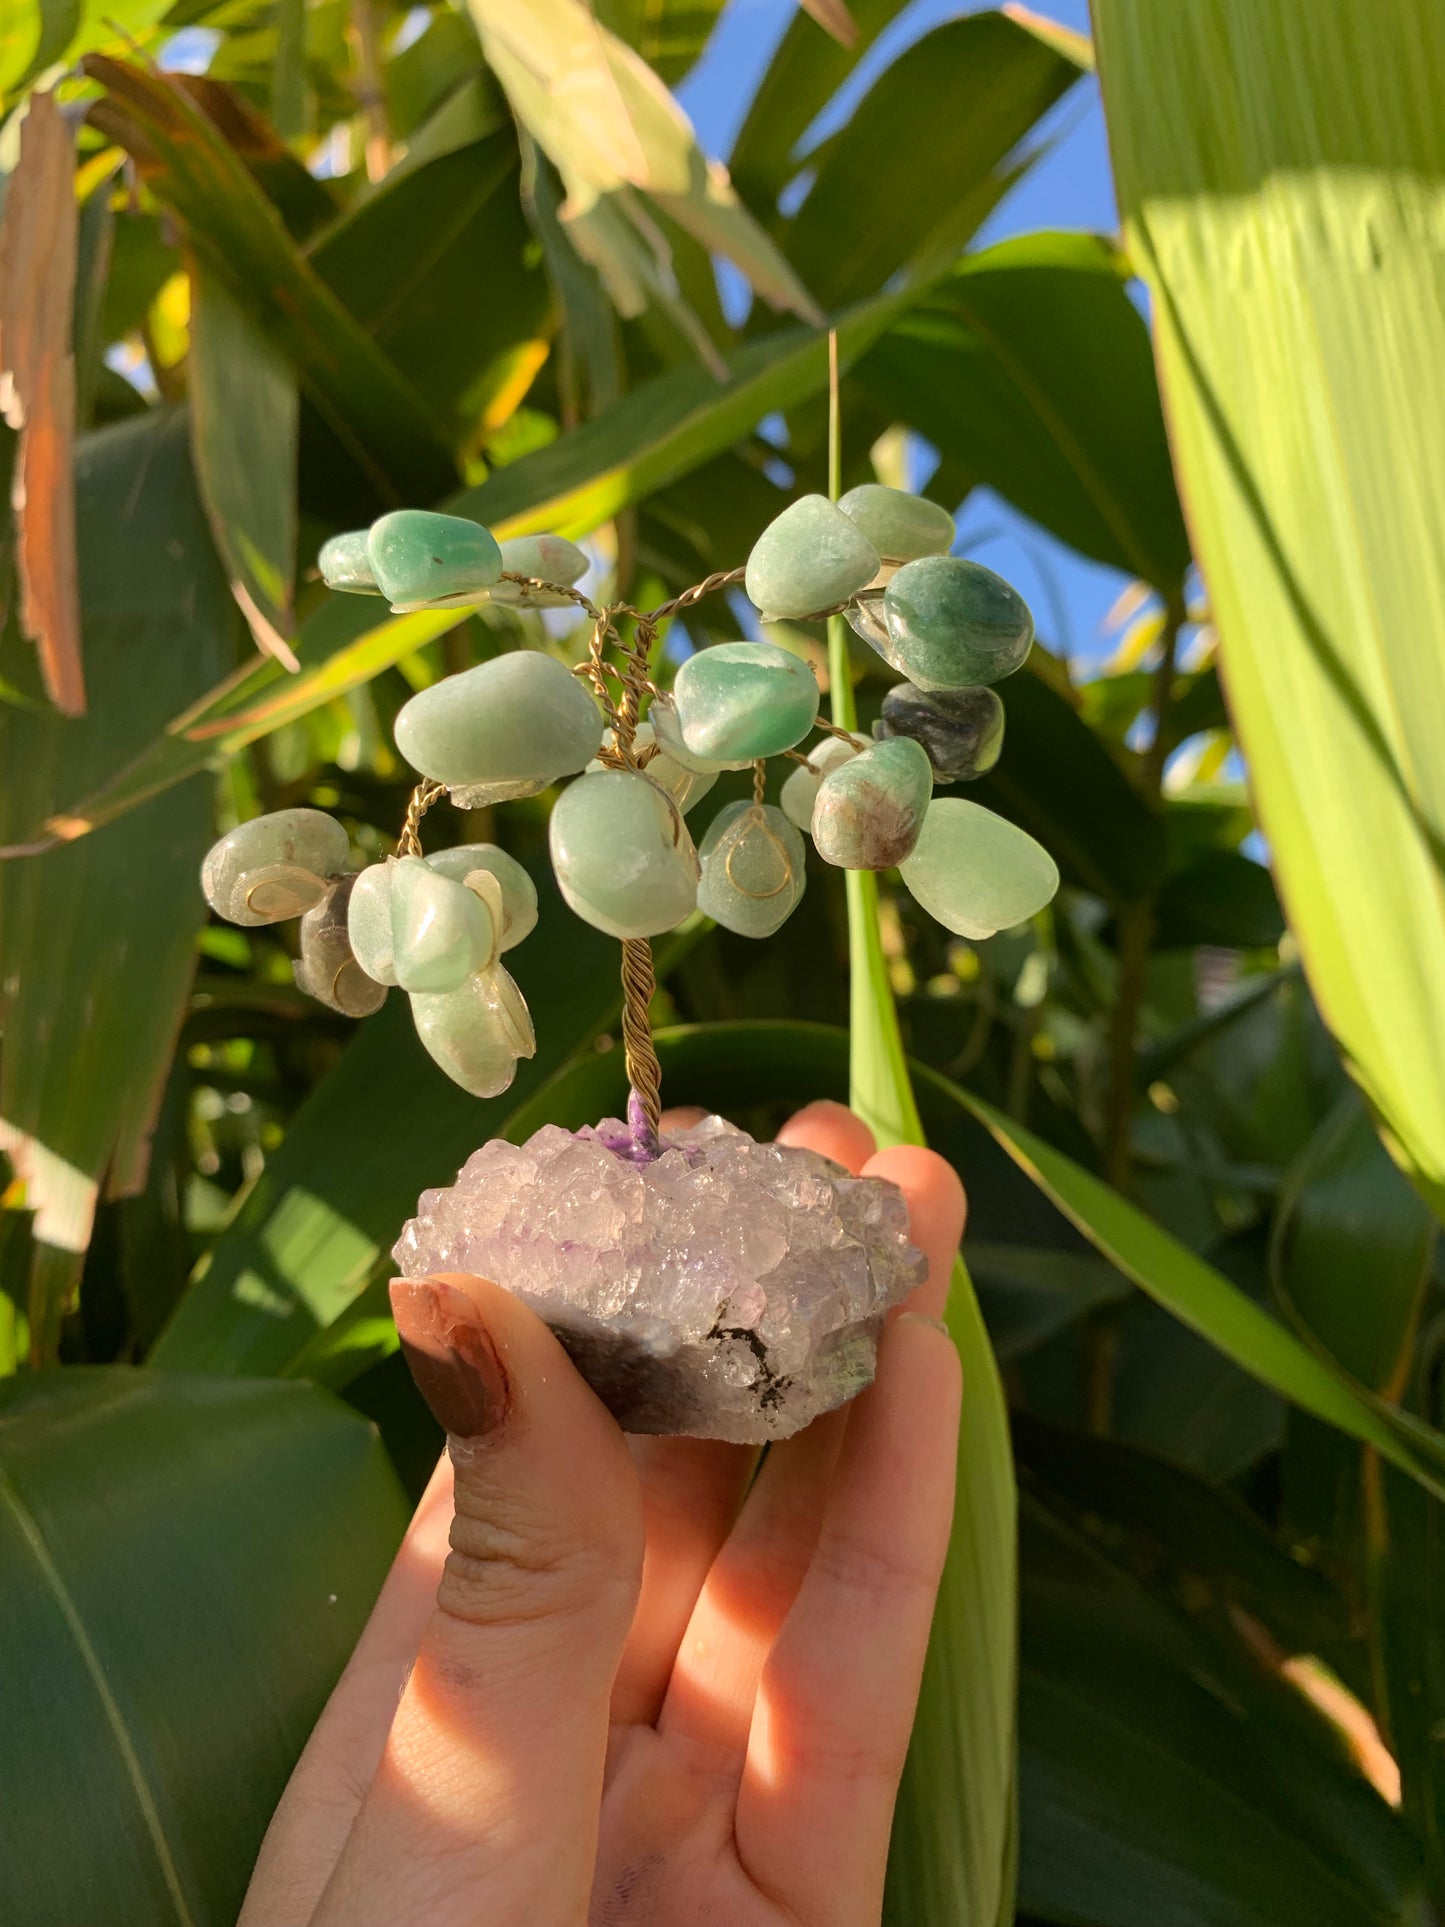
pixel 702 1282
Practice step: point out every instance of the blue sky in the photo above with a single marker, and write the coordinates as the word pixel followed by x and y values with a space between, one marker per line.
pixel 1070 187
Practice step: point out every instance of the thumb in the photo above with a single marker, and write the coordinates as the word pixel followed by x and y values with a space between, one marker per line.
pixel 485 1803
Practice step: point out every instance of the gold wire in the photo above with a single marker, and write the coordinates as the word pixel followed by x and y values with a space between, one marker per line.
pixel 422 798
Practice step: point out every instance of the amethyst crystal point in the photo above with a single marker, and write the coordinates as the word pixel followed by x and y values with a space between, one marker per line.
pixel 725 1288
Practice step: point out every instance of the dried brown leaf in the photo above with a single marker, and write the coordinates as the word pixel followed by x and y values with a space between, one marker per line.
pixel 37 392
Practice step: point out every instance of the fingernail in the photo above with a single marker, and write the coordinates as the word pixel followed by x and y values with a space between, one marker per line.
pixel 451 1355
pixel 917 1318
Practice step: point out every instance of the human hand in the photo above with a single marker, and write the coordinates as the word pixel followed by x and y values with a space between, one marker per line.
pixel 645 1686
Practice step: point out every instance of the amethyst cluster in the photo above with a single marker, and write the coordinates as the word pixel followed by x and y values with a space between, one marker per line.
pixel 703 1283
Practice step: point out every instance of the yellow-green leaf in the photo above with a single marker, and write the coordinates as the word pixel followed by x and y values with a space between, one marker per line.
pixel 1281 169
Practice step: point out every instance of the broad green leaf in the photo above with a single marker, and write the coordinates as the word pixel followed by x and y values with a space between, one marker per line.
pixel 1059 782
pixel 921 160
pixel 188 1563
pixel 1407 1606
pixel 1029 1295
pixel 243 440
pixel 611 129
pixel 1224 899
pixel 802 77
pixel 1167 1772
pixel 288 70
pixel 1030 366
pixel 435 264
pixel 237 234
pixel 98 939
pixel 660 430
pixel 1352 1252
pixel 1352 1248
pixel 1202 1298
pixel 1286 237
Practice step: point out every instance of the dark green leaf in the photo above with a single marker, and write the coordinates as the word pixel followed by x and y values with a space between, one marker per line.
pixel 1168 1776
pixel 371 409
pixel 243 438
pixel 99 935
pixel 188 1564
pixel 1224 899
pixel 435 243
pixel 1063 786
pixel 1030 366
pixel 803 76
pixel 920 161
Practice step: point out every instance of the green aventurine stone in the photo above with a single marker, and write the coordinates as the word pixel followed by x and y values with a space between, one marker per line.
pixel 517 890
pixel 420 558
pixel 900 526
pixel 753 869
pixel 368 921
pixel 623 857
pixel 477 1032
pixel 521 719
pixel 975 872
pixel 275 866
pixel 742 700
pixel 441 932
pixel 870 809
pixel 667 733
pixel 327 968
pixel 550 558
pixel 808 558
pixel 800 790
pixel 345 564
pixel 961 730
pixel 952 622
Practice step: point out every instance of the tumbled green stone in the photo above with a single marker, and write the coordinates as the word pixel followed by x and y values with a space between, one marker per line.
pixel 667 732
pixel 368 921
pixel 870 809
pixel 899 525
pixel 953 622
pixel 441 932
pixel 477 1032
pixel 550 558
pixel 345 564
pixel 808 558
pixel 517 890
pixel 975 872
pixel 622 854
pixel 421 559
pixel 960 729
pixel 327 968
pixel 275 866
pixel 521 719
pixel 744 700
pixel 800 789
pixel 753 869
pixel 683 784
